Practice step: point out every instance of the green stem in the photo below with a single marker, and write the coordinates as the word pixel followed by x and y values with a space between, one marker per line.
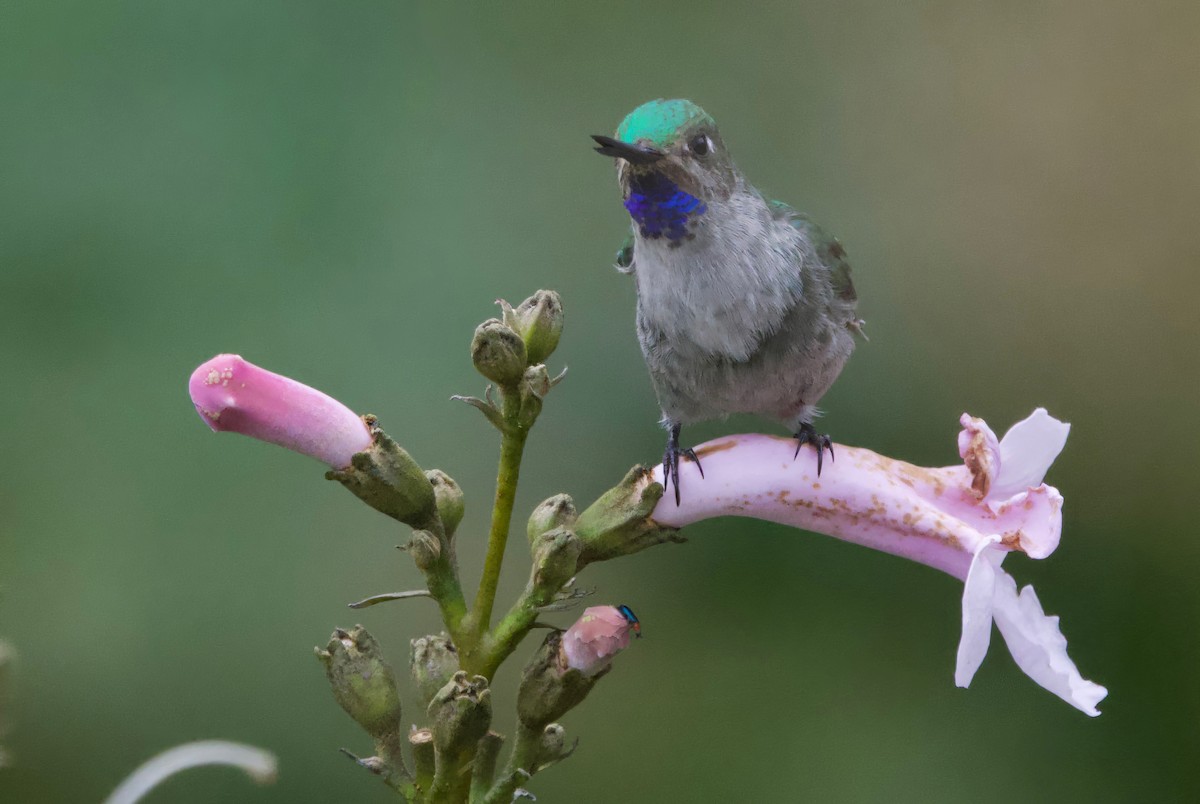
pixel 444 587
pixel 442 580
pixel 512 628
pixel 421 742
pixel 521 765
pixel 395 775
pixel 484 768
pixel 512 447
pixel 450 784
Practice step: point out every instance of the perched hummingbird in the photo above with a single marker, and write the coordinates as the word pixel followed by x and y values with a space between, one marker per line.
pixel 744 305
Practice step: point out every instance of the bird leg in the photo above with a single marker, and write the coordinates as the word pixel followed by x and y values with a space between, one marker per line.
pixel 671 460
pixel 807 434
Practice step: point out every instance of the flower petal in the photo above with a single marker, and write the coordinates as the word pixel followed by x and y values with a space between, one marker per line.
pixel 1026 452
pixel 977 611
pixel 1038 646
pixel 980 451
pixel 1030 521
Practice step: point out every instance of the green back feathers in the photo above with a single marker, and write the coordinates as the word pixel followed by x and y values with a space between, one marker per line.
pixel 829 250
pixel 662 121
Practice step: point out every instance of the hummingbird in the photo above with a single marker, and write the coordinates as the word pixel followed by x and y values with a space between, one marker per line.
pixel 744 305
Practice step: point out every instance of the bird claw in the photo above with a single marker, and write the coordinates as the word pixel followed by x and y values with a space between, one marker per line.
pixel 807 434
pixel 671 461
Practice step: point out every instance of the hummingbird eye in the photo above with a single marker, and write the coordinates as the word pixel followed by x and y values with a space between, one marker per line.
pixel 700 145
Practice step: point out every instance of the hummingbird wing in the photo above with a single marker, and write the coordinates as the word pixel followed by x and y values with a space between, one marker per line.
pixel 828 248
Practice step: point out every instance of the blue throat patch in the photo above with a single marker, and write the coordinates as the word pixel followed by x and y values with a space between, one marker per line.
pixel 660 208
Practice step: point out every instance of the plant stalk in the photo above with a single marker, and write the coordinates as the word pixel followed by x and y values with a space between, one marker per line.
pixel 512 447
pixel 522 764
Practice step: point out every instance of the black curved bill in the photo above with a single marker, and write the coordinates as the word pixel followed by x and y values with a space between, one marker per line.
pixel 634 154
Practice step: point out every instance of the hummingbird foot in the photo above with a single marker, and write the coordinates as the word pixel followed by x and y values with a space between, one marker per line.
pixel 807 434
pixel 671 460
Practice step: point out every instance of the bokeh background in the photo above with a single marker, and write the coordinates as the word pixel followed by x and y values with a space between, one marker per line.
pixel 339 191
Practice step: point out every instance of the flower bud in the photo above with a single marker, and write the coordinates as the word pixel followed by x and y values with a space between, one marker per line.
pixel 449 499
pixel 553 744
pixel 539 322
pixel 235 395
pixel 461 712
pixel 600 634
pixel 425 549
pixel 535 384
pixel 549 688
pixel 362 682
pixel 619 522
pixel 433 660
pixel 556 512
pixel 387 478
pixel 498 353
pixel 555 557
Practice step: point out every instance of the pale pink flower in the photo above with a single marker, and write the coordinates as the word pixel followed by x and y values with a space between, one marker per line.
pixel 232 394
pixel 962 520
pixel 590 644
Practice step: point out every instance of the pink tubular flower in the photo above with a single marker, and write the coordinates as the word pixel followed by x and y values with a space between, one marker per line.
pixel 600 634
pixel 232 394
pixel 962 520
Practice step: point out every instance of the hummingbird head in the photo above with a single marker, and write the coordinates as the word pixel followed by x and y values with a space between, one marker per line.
pixel 671 163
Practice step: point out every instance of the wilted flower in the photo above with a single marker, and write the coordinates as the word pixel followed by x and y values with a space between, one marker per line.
pixel 434 661
pixel 235 395
pixel 259 765
pixel 962 520
pixel 362 681
pixel 461 712
pixel 591 643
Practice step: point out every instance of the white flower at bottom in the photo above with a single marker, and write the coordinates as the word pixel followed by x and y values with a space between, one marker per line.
pixel 959 519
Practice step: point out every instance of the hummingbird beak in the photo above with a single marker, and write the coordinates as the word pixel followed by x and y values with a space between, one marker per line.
pixel 633 154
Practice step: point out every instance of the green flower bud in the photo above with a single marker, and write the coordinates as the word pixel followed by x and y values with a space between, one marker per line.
pixel 449 499
pixel 387 478
pixel 498 353
pixel 555 512
pixel 535 384
pixel 549 689
pixel 461 712
pixel 425 549
pixel 555 557
pixel 619 522
pixel 433 660
pixel 539 322
pixel 362 682
pixel 553 744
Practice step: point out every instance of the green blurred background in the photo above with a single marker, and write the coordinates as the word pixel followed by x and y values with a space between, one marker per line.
pixel 339 191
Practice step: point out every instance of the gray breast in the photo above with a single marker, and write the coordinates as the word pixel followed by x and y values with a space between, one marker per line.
pixel 739 320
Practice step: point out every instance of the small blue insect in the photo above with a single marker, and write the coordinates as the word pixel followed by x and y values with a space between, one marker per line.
pixel 634 623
